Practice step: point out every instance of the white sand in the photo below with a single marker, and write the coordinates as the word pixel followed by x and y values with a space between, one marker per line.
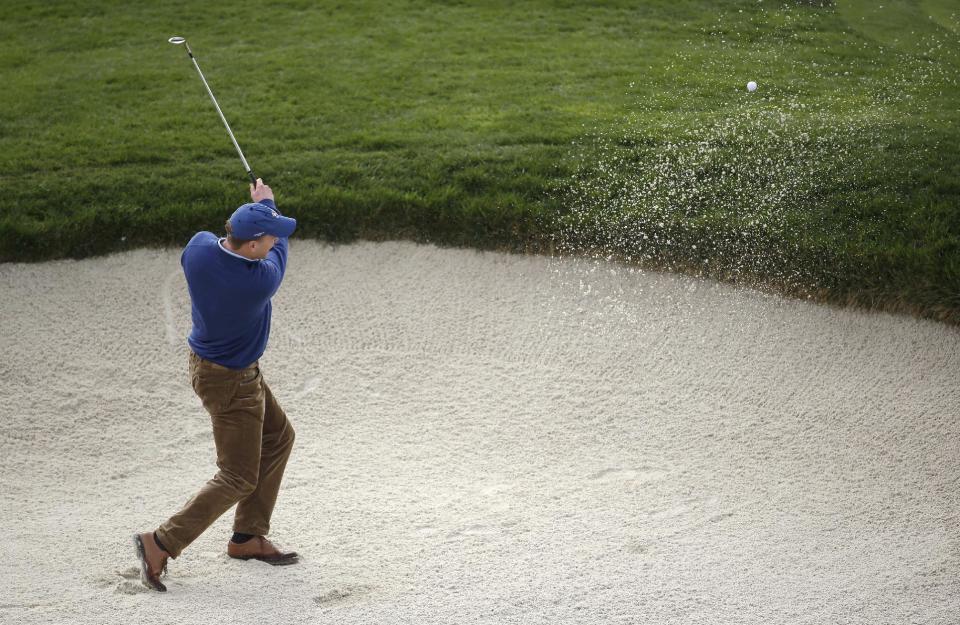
pixel 485 438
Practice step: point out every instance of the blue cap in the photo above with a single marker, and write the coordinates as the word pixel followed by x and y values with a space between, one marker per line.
pixel 252 221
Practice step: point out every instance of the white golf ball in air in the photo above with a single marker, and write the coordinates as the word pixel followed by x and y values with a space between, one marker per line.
pixel 751 86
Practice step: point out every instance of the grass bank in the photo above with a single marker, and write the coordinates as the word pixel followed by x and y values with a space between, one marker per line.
pixel 620 129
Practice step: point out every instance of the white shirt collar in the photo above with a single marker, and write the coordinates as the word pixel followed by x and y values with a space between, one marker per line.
pixel 222 247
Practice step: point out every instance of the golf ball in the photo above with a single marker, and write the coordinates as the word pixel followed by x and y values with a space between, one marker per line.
pixel 751 86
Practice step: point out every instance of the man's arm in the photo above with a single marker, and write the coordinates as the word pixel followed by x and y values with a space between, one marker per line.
pixel 274 266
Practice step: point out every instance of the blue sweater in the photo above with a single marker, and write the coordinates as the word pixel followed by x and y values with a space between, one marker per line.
pixel 230 298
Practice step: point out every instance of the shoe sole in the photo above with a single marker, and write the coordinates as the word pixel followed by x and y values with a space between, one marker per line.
pixel 144 576
pixel 273 562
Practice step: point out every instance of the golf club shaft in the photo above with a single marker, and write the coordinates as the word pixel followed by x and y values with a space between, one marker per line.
pixel 253 179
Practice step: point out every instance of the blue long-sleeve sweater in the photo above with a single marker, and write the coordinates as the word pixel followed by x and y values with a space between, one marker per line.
pixel 230 298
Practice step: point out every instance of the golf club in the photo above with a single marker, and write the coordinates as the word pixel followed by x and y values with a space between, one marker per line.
pixel 180 40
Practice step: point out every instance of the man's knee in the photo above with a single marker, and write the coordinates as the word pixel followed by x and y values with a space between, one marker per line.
pixel 285 436
pixel 285 441
pixel 280 442
pixel 241 485
pixel 247 486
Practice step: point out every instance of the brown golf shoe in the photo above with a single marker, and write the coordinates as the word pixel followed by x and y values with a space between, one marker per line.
pixel 153 561
pixel 259 548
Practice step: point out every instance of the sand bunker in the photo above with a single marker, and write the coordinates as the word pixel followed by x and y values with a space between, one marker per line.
pixel 486 438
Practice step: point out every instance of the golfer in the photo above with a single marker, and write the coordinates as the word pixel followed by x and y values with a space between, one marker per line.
pixel 231 281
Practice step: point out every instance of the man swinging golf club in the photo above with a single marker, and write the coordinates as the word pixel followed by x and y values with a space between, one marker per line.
pixel 231 281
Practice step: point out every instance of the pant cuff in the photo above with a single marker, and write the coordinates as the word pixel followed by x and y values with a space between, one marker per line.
pixel 174 548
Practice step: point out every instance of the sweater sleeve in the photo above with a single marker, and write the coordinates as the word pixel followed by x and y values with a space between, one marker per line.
pixel 274 266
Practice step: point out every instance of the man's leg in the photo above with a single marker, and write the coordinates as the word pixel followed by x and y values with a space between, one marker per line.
pixel 235 402
pixel 254 512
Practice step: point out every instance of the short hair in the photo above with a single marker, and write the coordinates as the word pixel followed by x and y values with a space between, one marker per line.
pixel 234 241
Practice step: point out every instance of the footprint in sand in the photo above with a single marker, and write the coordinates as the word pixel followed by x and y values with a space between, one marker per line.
pixel 106 580
pixel 127 587
pixel 308 387
pixel 685 517
pixel 641 474
pixel 474 530
pixel 490 490
pixel 123 581
pixel 129 573
pixel 425 531
pixel 169 313
pixel 342 593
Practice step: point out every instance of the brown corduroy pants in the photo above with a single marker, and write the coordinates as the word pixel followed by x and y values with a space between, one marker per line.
pixel 253 439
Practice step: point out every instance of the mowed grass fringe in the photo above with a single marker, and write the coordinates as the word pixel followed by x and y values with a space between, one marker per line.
pixel 618 130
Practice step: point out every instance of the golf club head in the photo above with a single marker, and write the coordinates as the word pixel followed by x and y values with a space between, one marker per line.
pixel 177 40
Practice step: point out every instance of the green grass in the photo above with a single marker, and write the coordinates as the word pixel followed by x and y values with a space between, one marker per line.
pixel 620 129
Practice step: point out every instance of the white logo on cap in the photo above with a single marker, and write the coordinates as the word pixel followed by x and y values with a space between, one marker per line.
pixel 274 213
pixel 259 234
